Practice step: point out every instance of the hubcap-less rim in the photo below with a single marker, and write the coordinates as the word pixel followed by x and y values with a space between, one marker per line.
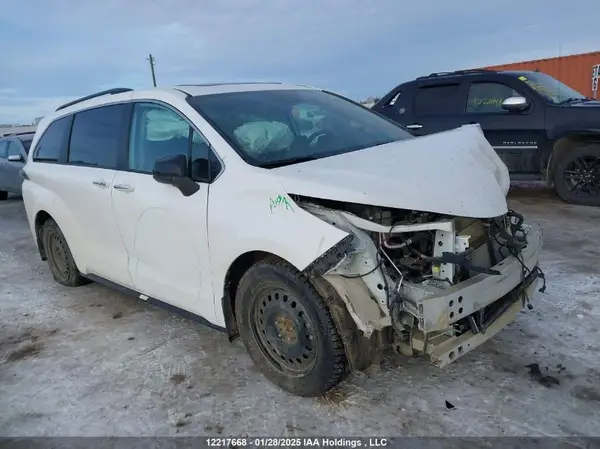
pixel 58 255
pixel 284 332
pixel 582 176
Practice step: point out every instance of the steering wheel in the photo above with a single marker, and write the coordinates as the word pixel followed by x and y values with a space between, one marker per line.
pixel 319 133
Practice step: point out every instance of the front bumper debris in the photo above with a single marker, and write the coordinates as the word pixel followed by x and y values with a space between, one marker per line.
pixel 486 302
pixel 467 290
pixel 443 349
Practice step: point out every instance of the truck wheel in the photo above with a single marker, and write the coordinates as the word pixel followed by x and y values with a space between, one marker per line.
pixel 577 176
pixel 59 256
pixel 288 330
pixel 3 195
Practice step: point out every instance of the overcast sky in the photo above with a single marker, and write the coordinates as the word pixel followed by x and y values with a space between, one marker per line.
pixel 54 50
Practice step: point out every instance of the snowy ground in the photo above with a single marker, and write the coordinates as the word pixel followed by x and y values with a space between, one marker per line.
pixel 89 361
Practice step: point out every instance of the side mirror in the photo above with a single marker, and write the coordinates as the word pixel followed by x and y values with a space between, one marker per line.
pixel 172 170
pixel 515 104
pixel 15 158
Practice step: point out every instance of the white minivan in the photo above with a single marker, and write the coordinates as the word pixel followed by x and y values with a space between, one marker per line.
pixel 320 242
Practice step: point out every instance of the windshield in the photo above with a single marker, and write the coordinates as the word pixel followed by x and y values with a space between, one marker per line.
pixel 271 128
pixel 549 87
pixel 26 141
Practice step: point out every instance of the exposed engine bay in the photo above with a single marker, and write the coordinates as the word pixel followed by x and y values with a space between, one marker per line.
pixel 427 276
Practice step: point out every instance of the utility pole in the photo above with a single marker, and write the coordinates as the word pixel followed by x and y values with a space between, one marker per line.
pixel 150 58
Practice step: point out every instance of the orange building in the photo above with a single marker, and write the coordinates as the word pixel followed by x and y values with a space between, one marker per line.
pixel 581 72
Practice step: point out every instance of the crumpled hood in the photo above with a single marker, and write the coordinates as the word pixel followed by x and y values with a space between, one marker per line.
pixel 454 172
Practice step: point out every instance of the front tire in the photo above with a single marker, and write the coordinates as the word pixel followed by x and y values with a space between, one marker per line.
pixel 3 195
pixel 288 329
pixel 60 260
pixel 577 176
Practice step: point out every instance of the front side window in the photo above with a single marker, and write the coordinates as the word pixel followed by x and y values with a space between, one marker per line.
pixel 97 136
pixel 158 132
pixel 437 100
pixel 270 128
pixel 3 146
pixel 205 164
pixel 51 145
pixel 488 97
pixel 550 88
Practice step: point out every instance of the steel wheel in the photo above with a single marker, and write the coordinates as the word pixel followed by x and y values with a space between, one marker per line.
pixel 60 260
pixel 288 329
pixel 57 256
pixel 284 332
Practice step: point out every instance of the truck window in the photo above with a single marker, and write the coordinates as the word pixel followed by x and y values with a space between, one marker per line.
pixel 485 98
pixel 437 100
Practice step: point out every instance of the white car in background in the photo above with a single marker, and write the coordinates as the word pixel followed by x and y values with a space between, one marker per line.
pixel 320 249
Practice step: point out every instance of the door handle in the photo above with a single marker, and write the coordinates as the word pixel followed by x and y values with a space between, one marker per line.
pixel 123 188
pixel 100 183
pixel 415 126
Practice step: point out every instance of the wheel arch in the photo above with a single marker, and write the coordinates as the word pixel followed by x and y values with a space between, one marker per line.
pixel 41 217
pixel 242 263
pixel 233 275
pixel 565 142
pixel 361 351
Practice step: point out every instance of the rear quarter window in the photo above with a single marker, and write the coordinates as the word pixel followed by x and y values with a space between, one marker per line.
pixel 54 141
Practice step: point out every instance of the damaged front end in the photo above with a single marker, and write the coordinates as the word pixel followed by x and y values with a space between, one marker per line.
pixel 426 283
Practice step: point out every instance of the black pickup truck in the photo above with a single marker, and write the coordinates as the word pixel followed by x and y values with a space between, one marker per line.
pixel 541 128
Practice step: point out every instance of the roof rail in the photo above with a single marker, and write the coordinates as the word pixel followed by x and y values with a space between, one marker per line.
pixel 116 90
pixel 18 134
pixel 457 72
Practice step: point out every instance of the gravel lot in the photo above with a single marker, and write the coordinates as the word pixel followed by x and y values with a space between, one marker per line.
pixel 89 361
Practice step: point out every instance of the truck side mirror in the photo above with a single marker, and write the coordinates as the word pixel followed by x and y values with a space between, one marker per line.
pixel 515 104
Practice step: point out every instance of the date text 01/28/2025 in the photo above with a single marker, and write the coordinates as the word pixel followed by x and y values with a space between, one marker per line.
pixel 296 442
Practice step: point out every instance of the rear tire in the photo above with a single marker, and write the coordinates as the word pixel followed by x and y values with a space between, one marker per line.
pixel 577 176
pixel 3 195
pixel 288 330
pixel 60 260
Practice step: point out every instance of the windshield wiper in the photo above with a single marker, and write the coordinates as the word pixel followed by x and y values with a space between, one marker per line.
pixel 284 162
pixel 574 99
